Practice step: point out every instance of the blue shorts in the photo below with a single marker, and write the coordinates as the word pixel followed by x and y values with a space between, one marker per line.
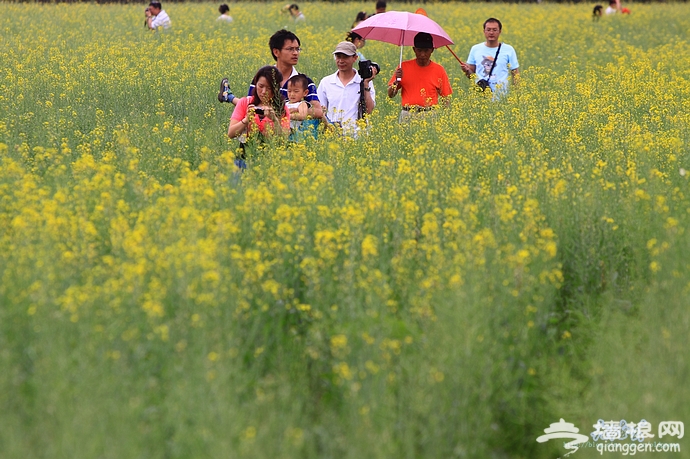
pixel 241 164
pixel 308 128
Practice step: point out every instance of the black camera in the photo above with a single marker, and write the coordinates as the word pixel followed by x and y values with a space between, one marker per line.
pixel 365 69
pixel 482 85
pixel 259 111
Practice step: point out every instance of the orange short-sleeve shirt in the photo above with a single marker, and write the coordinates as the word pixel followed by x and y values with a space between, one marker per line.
pixel 421 86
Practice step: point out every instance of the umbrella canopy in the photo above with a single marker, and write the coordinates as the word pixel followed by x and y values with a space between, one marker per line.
pixel 400 28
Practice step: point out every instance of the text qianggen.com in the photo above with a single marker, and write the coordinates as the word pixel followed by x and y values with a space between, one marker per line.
pixel 632 448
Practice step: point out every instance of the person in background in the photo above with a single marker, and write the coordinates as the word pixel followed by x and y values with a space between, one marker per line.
pixel 380 7
pixel 157 17
pixel 224 11
pixel 596 12
pixel 423 83
pixel 612 8
pixel 295 13
pixel 359 42
pixel 261 115
pixel 362 15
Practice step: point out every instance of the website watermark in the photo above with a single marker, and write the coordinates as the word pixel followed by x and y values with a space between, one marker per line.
pixel 609 436
pixel 631 448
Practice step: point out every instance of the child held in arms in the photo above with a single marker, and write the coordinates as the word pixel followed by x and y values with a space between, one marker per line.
pixel 298 107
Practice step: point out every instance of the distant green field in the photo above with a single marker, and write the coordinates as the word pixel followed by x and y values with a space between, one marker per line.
pixel 445 289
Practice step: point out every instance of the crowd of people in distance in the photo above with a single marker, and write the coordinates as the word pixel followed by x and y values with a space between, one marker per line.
pixel 157 18
pixel 613 8
pixel 282 102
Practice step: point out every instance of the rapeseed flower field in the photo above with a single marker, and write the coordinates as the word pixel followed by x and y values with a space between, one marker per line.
pixel 443 289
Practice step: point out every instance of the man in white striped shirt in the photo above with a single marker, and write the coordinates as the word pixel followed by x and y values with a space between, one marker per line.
pixel 157 17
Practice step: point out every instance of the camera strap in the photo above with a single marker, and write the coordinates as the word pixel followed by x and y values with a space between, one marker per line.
pixel 362 108
pixel 494 63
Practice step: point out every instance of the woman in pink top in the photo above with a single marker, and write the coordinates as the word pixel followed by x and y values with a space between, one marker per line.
pixel 263 113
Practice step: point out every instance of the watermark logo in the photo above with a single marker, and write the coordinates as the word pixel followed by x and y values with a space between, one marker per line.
pixel 565 430
pixel 672 428
pixel 621 430
pixel 608 436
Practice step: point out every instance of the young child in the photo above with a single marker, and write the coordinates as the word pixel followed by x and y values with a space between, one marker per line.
pixel 297 89
pixel 297 106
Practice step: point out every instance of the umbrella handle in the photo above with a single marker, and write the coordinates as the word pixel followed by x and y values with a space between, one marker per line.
pixel 454 55
pixel 400 65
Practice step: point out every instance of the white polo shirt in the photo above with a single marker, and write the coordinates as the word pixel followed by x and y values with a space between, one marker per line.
pixel 161 20
pixel 340 102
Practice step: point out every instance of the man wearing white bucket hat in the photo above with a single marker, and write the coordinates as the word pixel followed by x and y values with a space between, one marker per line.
pixel 345 96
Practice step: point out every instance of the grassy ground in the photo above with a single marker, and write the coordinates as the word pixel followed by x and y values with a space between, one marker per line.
pixel 448 289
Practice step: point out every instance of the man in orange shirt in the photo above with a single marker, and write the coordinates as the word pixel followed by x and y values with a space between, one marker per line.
pixel 421 81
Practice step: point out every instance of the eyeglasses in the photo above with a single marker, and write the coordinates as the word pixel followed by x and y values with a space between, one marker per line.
pixel 293 50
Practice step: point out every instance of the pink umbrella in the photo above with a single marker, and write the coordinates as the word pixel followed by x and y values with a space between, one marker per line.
pixel 400 28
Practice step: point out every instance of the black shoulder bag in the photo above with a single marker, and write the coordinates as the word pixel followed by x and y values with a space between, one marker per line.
pixel 484 83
